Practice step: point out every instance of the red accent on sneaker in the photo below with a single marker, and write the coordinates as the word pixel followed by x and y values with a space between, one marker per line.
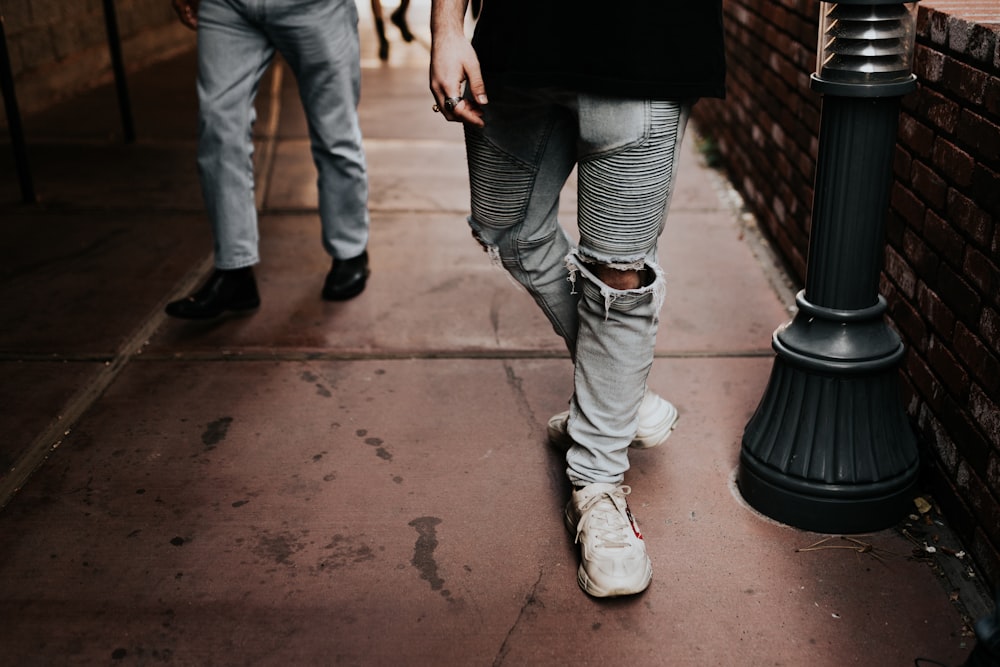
pixel 631 521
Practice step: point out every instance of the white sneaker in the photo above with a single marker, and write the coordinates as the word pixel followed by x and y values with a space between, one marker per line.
pixel 613 558
pixel 657 419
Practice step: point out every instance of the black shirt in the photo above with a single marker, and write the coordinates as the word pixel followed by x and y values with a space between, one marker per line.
pixel 658 49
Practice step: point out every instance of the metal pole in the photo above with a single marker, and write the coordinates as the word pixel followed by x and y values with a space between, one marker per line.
pixel 830 447
pixel 121 84
pixel 14 127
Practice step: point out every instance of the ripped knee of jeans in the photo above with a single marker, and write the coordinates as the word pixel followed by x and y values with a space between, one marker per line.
pixel 491 249
pixel 652 281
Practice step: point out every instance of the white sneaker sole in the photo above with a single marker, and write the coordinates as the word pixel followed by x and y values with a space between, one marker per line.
pixel 592 589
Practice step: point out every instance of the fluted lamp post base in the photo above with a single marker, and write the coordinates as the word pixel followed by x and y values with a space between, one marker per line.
pixel 829 448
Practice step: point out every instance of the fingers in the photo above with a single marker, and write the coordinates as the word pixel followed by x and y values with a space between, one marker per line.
pixel 453 70
pixel 475 87
pixel 187 12
pixel 459 109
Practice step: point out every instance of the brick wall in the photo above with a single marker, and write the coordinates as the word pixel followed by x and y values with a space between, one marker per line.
pixel 59 47
pixel 941 275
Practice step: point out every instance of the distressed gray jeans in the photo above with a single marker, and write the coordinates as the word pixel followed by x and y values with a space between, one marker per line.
pixel 624 151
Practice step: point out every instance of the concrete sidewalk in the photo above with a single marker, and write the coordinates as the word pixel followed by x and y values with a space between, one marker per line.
pixel 368 482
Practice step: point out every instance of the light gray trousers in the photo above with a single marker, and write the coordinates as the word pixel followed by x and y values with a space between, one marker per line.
pixel 237 40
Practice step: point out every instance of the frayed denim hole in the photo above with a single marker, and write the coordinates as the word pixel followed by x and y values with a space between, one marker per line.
pixel 596 289
pixel 492 250
pixel 572 272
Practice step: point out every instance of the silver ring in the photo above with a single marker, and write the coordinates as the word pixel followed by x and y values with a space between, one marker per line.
pixel 451 102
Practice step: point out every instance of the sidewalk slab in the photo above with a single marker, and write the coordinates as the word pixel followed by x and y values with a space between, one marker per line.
pixel 77 283
pixel 409 512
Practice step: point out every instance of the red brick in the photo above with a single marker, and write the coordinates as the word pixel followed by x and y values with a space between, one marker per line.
pixel 991 98
pixel 981 272
pixel 989 329
pixel 948 370
pixel 941 236
pixel 970 39
pixel 789 71
pixel 894 228
pixel 923 379
pixel 902 164
pixel 900 272
pixel 986 186
pixel 993 472
pixel 968 437
pixel 983 365
pixel 923 260
pixel 967 83
pixel 970 443
pixel 995 245
pixel 938 109
pixel 928 64
pixel 908 321
pixel 934 311
pixel 923 21
pixel 955 164
pixel 911 399
pixel 980 136
pixel 917 137
pixel 966 216
pixel 937 28
pixel 908 206
pixel 932 188
pixel 958 294
pixel 987 416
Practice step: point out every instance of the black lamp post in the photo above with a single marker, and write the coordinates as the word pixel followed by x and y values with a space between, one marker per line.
pixel 14 127
pixel 830 448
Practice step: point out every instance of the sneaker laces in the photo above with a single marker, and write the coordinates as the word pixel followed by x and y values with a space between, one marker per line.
pixel 609 519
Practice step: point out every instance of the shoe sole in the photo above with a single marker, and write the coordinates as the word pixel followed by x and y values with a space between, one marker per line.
pixel 659 434
pixel 238 309
pixel 344 296
pixel 590 588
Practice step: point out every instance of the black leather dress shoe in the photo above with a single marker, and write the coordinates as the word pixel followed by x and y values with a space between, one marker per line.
pixel 347 278
pixel 233 290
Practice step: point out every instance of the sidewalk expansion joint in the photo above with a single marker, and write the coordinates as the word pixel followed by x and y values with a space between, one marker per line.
pixel 250 354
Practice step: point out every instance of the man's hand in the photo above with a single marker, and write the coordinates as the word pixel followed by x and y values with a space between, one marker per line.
pixel 454 63
pixel 187 11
